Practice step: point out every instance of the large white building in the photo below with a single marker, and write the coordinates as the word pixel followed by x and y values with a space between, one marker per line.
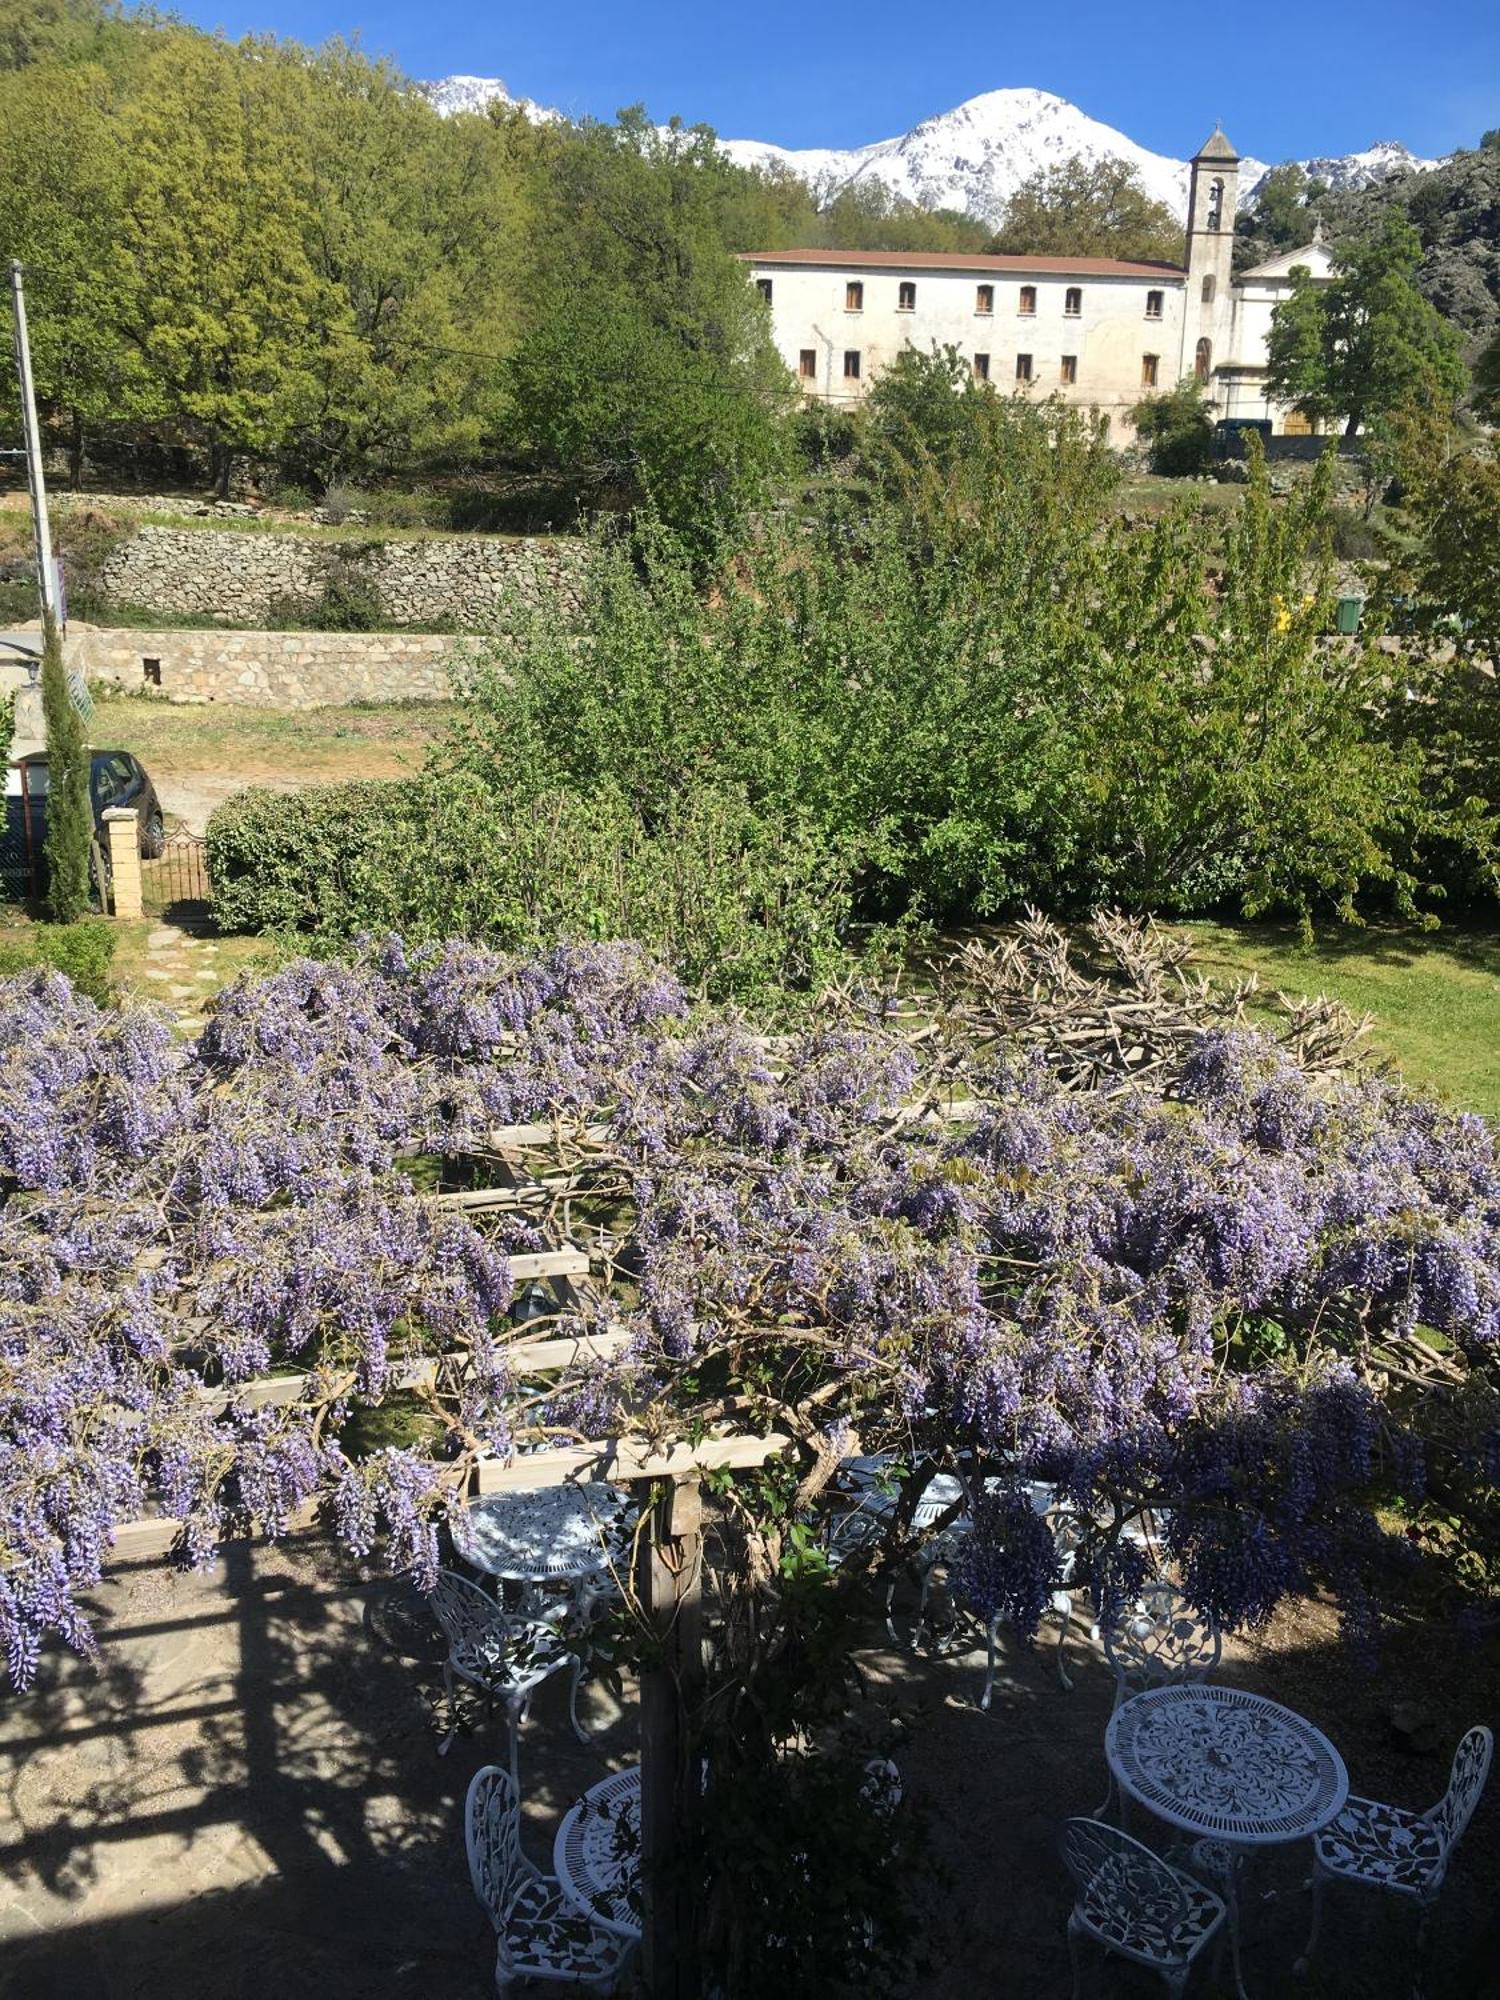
pixel 1094 330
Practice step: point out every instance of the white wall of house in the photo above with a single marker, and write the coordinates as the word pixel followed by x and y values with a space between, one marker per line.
pixel 1108 330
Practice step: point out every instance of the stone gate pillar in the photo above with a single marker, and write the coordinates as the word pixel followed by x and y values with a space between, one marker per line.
pixel 123 833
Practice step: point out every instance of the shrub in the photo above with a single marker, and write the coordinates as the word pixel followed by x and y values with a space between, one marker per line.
pixel 83 951
pixel 740 901
pixel 1176 429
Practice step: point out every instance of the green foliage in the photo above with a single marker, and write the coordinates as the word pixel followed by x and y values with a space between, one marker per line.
pixel 1085 208
pixel 1176 429
pixel 925 407
pixel 1001 690
pixel 867 215
pixel 648 369
pixel 83 951
pixel 1487 383
pixel 739 901
pixel 70 811
pixel 1367 342
pixel 1280 218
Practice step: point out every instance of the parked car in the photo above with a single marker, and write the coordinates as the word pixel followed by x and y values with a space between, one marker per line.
pixel 116 779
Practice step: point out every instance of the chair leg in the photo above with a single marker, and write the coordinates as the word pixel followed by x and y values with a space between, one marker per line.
pixel 450 1693
pixel 578 1729
pixel 1304 1962
pixel 515 1712
pixel 890 1602
pixel 991 1634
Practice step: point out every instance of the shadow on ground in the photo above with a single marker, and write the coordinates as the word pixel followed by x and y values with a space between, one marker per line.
pixel 244 1798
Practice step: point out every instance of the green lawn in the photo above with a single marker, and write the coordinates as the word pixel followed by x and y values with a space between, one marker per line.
pixel 1435 996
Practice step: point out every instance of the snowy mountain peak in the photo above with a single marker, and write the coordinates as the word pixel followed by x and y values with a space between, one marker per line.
pixel 975 156
pixel 453 94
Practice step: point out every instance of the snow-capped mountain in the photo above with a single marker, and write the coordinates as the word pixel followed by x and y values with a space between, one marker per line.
pixel 452 94
pixel 976 156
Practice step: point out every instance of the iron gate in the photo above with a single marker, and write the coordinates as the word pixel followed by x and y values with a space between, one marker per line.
pixel 176 884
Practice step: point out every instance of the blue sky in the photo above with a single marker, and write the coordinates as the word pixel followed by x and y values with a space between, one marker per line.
pixel 1286 78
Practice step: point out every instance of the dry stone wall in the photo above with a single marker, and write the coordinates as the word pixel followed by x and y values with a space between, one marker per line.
pixel 247 576
pixel 269 669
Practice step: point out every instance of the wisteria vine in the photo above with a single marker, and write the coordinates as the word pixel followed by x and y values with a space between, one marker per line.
pixel 1210 1299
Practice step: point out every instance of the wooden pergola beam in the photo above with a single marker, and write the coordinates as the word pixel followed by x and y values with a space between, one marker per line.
pixel 620 1461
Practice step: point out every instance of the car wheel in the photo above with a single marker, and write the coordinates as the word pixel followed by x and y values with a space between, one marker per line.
pixel 154 839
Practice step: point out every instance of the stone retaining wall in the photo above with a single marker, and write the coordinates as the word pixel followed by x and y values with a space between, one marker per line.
pixel 211 573
pixel 268 669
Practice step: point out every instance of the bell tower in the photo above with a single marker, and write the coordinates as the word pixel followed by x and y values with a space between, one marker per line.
pixel 1207 317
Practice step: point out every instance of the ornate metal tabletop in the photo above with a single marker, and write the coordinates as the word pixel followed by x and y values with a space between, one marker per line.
pixel 596 1856
pixel 554 1533
pixel 1232 1766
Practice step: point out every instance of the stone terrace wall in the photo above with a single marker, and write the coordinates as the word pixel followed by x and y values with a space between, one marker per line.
pixel 269 669
pixel 225 574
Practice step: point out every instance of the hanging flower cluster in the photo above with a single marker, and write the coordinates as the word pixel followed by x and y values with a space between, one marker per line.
pixel 1148 1303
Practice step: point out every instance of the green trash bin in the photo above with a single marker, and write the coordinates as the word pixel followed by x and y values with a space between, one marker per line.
pixel 1349 611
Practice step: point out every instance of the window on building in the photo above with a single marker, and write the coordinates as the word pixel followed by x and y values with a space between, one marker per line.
pixel 984 299
pixel 1148 371
pixel 854 296
pixel 1208 289
pixel 851 364
pixel 1069 371
pixel 1203 360
pixel 807 363
pixel 1216 204
pixel 1153 305
pixel 981 368
pixel 1072 302
pixel 906 296
pixel 763 286
pixel 1028 301
pixel 151 672
pixel 1023 367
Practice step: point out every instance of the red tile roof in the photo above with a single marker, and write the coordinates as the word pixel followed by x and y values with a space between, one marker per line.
pixel 960 260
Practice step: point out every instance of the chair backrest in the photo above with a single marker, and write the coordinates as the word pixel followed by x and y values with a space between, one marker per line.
pixel 1119 1879
pixel 492 1836
pixel 467 1615
pixel 1466 1781
pixel 1158 1638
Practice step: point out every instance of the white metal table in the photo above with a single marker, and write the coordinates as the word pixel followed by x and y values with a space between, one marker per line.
pixel 1228 1767
pixel 596 1855
pixel 552 1534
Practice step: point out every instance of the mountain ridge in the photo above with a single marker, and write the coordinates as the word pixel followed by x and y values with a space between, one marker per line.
pixel 976 155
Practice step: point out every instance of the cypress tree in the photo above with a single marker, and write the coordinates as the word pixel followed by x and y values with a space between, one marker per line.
pixel 70 816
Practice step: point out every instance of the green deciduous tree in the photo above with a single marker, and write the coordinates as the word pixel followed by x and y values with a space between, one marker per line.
pixel 70 813
pixel 647 368
pixel 61 194
pixel 1366 342
pixel 1089 208
pixel 225 305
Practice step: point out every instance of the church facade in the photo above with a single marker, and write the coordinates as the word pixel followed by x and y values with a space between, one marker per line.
pixel 1096 331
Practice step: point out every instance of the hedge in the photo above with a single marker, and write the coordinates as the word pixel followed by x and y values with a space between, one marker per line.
pixel 84 951
pixel 739 902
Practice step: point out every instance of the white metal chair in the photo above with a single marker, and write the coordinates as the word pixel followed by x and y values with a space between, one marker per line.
pixel 505 1656
pixel 1405 1853
pixel 540 1935
pixel 1132 1902
pixel 1157 1640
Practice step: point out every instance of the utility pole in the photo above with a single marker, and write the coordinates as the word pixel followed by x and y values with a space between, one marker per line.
pixel 41 527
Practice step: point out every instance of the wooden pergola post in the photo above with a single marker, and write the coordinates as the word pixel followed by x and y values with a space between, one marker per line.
pixel 669 1584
